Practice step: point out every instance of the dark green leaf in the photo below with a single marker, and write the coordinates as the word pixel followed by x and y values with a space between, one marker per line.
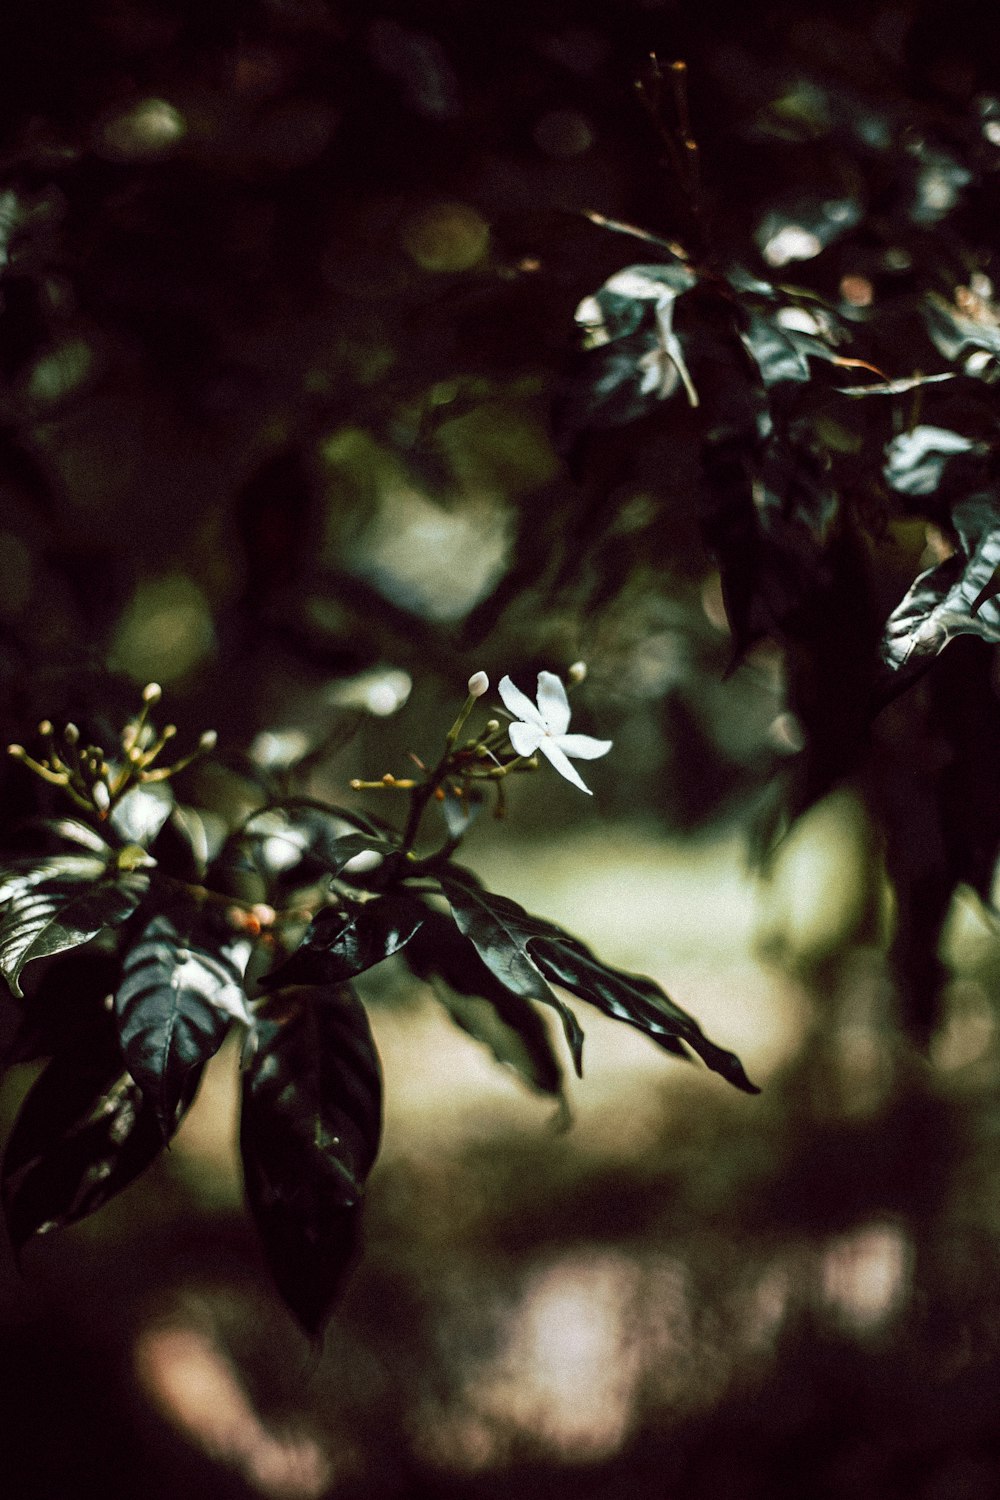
pixel 343 941
pixel 951 599
pixel 83 1133
pixel 178 994
pixel 500 930
pixel 57 914
pixel 21 875
pixel 310 1130
pixel 500 1018
pixel 528 949
pixel 635 1000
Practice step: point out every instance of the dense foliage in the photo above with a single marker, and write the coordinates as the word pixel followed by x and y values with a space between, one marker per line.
pixel 346 351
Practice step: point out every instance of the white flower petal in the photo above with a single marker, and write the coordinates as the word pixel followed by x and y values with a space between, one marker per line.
pixel 520 706
pixel 525 738
pixel 553 703
pixel 552 753
pixel 582 746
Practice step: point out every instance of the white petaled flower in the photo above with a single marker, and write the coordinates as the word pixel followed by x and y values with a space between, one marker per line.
pixel 543 727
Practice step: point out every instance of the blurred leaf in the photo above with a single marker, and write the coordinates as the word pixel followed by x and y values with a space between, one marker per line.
pixel 499 1017
pixel 84 1132
pixel 915 461
pixel 140 814
pixel 460 813
pixel 304 842
pixel 781 352
pixel 176 999
pixel 310 1131
pixel 63 912
pixel 953 332
pixel 632 359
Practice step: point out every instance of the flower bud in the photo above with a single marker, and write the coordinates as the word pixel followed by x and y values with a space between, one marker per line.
pixel 152 692
pixel 479 684
pixel 100 796
pixel 576 673
pixel 208 740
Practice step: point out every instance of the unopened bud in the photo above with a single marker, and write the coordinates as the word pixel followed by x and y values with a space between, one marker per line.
pixel 45 727
pixel 71 734
pixel 100 796
pixel 479 684
pixel 208 740
pixel 576 673
pixel 492 725
pixel 17 751
pixel 168 732
pixel 152 692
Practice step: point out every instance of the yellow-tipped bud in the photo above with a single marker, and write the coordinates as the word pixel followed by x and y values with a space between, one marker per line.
pixel 17 751
pixel 208 740
pixel 576 673
pixel 45 727
pixel 479 684
pixel 492 725
pixel 152 692
pixel 71 734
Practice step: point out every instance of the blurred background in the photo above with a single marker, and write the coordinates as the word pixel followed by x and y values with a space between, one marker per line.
pixel 287 297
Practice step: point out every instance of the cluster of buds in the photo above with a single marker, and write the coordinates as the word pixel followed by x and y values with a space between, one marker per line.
pixel 93 779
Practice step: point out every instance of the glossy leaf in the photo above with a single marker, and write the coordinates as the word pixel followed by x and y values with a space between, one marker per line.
pixel 61 913
pixel 526 952
pixel 500 931
pixel 310 1131
pixel 343 941
pixel 633 999
pixel 22 875
pixel 84 1132
pixel 953 598
pixel 499 1017
pixel 178 994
